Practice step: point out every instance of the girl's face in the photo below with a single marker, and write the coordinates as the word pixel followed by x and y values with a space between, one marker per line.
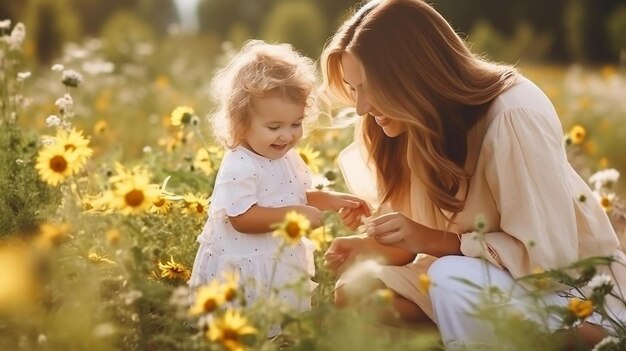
pixel 275 127
pixel 354 78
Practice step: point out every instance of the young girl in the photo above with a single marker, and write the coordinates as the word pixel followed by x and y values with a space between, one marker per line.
pixel 264 96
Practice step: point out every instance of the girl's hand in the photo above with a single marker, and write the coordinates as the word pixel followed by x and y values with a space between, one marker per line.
pixel 352 217
pixel 397 230
pixel 342 252
pixel 334 201
pixel 315 216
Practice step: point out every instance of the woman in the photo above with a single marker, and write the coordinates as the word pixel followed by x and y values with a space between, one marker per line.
pixel 449 138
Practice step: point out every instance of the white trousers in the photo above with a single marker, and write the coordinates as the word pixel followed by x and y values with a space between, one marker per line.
pixel 455 301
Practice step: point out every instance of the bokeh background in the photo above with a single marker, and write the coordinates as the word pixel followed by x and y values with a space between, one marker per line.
pixel 91 274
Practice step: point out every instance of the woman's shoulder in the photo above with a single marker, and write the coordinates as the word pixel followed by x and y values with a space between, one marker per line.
pixel 522 95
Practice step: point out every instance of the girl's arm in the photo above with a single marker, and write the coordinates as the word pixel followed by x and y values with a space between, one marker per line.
pixel 334 201
pixel 259 220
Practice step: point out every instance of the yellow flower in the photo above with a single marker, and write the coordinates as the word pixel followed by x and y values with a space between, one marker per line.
pixel 541 283
pixel 174 271
pixel 55 164
pixel 208 299
pixel 73 141
pixel 51 234
pixel 181 115
pixel 384 296
pixel 112 236
pixel 606 201
pixel 230 287
pixel 134 194
pixel 293 227
pixel 203 162
pixel 164 200
pixel 424 283
pixel 17 281
pixel 229 329
pixel 580 308
pixel 161 81
pixel 320 236
pixel 97 258
pixel 100 127
pixel 577 134
pixel 310 158
pixel 195 205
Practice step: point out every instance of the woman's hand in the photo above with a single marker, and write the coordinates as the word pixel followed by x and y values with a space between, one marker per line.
pixel 343 251
pixel 397 230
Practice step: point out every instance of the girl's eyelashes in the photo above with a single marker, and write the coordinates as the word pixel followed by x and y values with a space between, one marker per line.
pixel 296 125
pixel 273 128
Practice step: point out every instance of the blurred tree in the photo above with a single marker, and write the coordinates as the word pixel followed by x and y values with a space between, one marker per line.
pixel 218 16
pixel 298 22
pixel 12 10
pixel 52 23
pixel 159 13
pixel 95 13
pixel 616 31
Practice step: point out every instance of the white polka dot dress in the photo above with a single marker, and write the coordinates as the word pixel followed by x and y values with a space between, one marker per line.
pixel 245 179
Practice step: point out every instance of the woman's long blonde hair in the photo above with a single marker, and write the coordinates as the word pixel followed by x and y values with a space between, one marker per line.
pixel 418 71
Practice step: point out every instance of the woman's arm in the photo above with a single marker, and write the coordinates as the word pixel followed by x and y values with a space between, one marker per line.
pixel 259 220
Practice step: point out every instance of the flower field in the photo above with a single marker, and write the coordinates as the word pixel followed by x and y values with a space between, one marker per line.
pixel 106 174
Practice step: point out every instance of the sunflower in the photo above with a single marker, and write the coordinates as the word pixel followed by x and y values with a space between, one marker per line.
pixel 53 235
pixel 195 205
pixel 310 158
pixel 231 285
pixel 580 308
pixel 229 329
pixel 55 164
pixel 181 115
pixel 207 299
pixel 74 141
pixel 202 161
pixel 134 194
pixel 293 227
pixel 320 237
pixel 173 270
pixel 100 127
pixel 577 134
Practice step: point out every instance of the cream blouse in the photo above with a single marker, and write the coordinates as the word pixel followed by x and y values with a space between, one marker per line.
pixel 522 185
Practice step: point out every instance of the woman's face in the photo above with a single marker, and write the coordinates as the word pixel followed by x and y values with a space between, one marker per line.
pixel 353 77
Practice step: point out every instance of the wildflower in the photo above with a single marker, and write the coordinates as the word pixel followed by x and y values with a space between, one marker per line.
pixel 230 286
pixel 5 24
pixel 55 164
pixel 71 78
pixel 161 205
pixel 577 134
pixel 64 103
pixel 17 281
pixel 134 194
pixel 293 227
pixel 229 330
pixel 208 299
pixel 599 281
pixel 51 234
pixel 195 205
pixel 320 236
pixel 112 236
pixel 310 158
pixel 605 200
pixel 174 271
pixel 73 141
pixel 97 258
pixel 22 76
pixel 202 161
pixel 542 282
pixel 57 67
pixel 100 127
pixel 181 115
pixel 384 296
pixel 424 283
pixel 604 179
pixel 580 308
pixel 18 34
pixel 53 121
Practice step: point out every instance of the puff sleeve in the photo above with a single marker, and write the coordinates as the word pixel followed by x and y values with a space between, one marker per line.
pixel 235 185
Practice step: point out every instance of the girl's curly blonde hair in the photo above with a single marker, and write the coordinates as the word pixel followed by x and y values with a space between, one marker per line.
pixel 259 70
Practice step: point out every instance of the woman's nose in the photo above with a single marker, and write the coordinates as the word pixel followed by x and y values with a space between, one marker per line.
pixel 362 106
